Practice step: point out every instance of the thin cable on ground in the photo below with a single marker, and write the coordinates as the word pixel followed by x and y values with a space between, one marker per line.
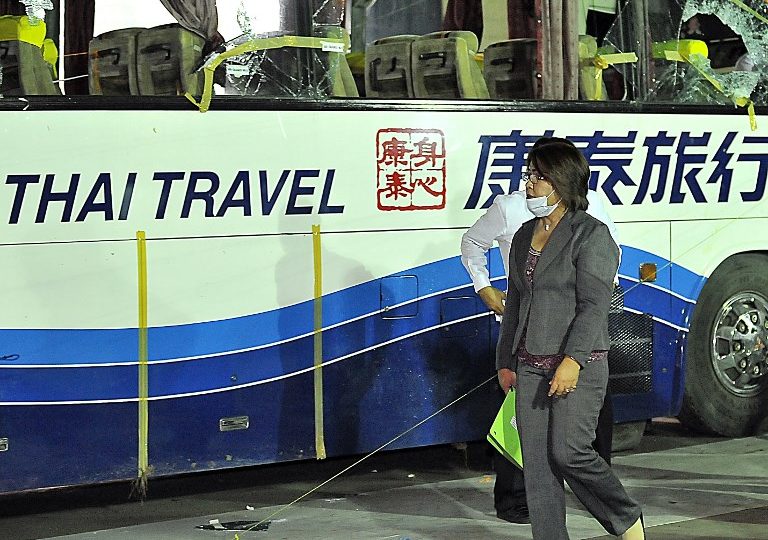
pixel 359 461
pixel 665 266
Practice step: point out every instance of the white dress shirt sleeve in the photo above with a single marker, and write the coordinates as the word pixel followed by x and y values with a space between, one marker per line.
pixel 597 210
pixel 476 242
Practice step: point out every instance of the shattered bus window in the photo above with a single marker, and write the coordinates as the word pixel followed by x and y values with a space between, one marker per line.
pixel 313 69
pixel 29 54
pixel 696 51
pixel 748 19
pixel 36 9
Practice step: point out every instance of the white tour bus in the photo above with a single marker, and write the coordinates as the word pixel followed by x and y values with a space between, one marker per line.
pixel 278 278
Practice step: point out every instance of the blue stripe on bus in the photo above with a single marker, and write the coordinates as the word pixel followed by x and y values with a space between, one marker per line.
pixel 670 276
pixel 98 346
pixel 226 371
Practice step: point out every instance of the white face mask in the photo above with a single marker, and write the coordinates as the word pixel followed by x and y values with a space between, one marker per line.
pixel 539 207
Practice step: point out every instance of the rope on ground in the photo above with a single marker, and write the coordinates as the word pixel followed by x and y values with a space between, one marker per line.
pixel 380 448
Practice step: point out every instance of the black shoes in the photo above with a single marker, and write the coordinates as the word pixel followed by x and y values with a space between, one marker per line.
pixel 517 514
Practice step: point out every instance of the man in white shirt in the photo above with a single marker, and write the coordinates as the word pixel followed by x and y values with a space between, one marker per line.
pixel 499 224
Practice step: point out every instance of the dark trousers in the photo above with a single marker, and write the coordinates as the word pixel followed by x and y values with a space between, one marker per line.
pixel 556 435
pixel 509 489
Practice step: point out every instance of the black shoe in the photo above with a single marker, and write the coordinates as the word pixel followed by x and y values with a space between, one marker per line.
pixel 518 514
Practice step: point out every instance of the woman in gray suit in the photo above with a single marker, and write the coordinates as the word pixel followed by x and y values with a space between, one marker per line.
pixel 553 346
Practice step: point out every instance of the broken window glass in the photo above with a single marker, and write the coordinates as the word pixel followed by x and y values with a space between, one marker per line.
pixel 748 19
pixel 36 9
pixel 695 51
pixel 28 51
pixel 268 62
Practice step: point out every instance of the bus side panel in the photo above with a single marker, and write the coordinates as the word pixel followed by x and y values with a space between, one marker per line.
pixel 394 353
pixel 375 397
pixel 62 445
pixel 186 433
pixel 369 399
pixel 649 243
pixel 51 369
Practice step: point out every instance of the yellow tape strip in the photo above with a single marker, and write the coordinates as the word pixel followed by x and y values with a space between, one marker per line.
pixel 50 54
pixel 749 10
pixel 739 101
pixel 141 247
pixel 14 28
pixel 252 46
pixel 602 61
pixel 318 305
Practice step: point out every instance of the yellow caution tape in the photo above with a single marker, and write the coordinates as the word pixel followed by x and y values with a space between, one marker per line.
pixel 318 343
pixel 739 101
pixel 356 62
pixel 141 247
pixel 50 54
pixel 686 47
pixel 21 29
pixel 593 61
pixel 749 10
pixel 332 45
pixel 602 61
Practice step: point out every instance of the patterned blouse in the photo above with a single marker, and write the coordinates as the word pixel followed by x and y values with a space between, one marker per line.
pixel 548 361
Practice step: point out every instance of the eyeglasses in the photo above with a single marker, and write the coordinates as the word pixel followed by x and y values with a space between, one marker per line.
pixel 532 177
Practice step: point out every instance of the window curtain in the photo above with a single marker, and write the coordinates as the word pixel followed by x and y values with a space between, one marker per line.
pixel 464 15
pixel 521 18
pixel 200 17
pixel 78 33
pixel 558 36
pixel 554 23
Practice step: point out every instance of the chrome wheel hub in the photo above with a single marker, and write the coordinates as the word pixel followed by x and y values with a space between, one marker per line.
pixel 740 344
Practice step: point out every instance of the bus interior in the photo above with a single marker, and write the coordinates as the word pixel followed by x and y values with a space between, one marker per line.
pixel 700 51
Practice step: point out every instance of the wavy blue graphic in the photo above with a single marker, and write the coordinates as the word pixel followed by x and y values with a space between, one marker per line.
pixel 194 359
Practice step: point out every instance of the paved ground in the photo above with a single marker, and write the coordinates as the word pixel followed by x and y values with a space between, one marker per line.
pixel 690 486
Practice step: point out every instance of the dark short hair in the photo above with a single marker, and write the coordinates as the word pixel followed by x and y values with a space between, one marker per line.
pixel 549 140
pixel 566 168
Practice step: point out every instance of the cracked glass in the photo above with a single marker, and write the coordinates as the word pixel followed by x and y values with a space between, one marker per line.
pixel 36 9
pixel 283 71
pixel 695 51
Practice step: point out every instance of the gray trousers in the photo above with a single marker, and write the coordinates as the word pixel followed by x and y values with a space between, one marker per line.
pixel 556 435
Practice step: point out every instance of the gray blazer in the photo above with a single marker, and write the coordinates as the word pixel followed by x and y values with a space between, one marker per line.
pixel 567 310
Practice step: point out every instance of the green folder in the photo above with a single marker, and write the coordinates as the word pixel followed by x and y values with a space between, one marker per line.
pixel 503 435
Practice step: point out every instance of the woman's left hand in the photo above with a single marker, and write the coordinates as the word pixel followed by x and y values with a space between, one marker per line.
pixel 566 377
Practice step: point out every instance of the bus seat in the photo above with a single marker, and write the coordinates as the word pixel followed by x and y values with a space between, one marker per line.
pixel 388 67
pixel 587 71
pixel 112 63
pixel 342 82
pixel 24 67
pixel 167 61
pixel 356 63
pixel 444 66
pixel 509 69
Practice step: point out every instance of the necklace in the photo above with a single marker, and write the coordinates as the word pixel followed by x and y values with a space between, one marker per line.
pixel 548 226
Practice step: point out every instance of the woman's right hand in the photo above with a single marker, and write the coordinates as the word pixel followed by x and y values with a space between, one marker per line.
pixel 507 379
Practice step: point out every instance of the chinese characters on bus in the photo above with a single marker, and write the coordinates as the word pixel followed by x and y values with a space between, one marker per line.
pixel 631 169
pixel 410 169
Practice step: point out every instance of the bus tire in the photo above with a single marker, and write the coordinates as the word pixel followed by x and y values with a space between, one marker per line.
pixel 727 350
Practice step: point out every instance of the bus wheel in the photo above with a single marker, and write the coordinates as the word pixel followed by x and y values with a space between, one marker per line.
pixel 726 373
